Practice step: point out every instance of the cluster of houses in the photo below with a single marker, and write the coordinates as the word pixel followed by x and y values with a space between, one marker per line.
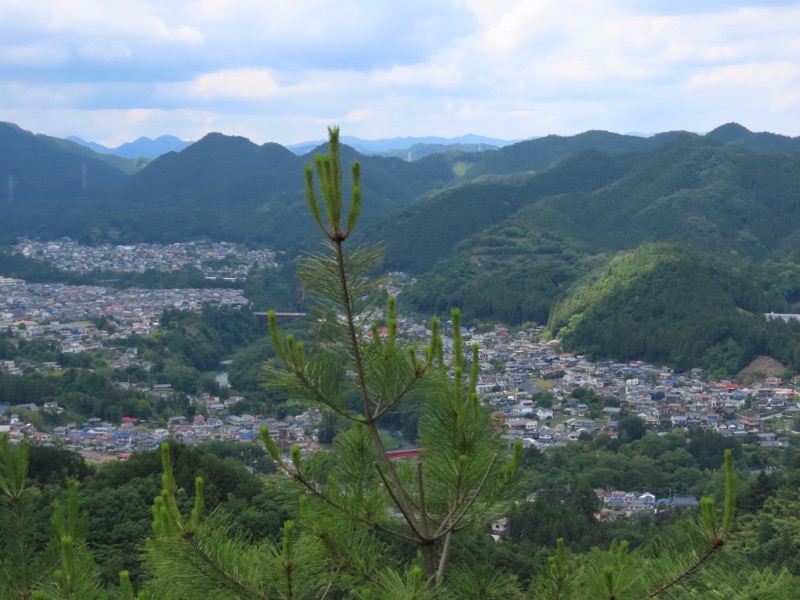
pixel 730 409
pixel 616 504
pixel 68 338
pixel 620 504
pixel 215 259
pixel 100 440
pixel 661 398
pixel 509 364
pixel 38 309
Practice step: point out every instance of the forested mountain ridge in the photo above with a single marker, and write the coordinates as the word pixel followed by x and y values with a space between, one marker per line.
pixel 689 189
pixel 34 168
pixel 221 187
pixel 505 234
pixel 446 219
pixel 735 134
pixel 692 190
pixel 546 152
pixel 224 187
pixel 725 219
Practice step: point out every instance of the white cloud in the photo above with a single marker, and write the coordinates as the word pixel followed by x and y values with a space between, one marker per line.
pixel 513 68
pixel 416 76
pixel 512 25
pixel 252 88
pixel 34 55
pixel 99 19
pixel 251 84
pixel 755 75
pixel 105 50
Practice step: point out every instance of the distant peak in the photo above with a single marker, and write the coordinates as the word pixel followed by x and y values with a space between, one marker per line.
pixel 216 138
pixel 729 132
pixel 212 135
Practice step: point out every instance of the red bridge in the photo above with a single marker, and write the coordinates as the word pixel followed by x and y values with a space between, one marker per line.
pixel 403 453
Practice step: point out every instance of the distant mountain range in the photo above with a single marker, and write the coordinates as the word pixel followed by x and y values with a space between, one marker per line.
pixel 399 146
pixel 143 147
pixel 410 148
pixel 536 230
pixel 226 187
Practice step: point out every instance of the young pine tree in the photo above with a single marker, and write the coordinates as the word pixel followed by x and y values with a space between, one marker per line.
pixel 31 567
pixel 361 375
pixel 369 523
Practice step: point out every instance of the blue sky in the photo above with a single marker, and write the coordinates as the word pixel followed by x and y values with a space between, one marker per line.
pixel 114 70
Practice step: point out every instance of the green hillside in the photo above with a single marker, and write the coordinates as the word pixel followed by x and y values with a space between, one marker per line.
pixel 690 189
pixel 226 187
pixel 38 168
pixel 718 212
pixel 221 187
pixel 546 152
pixel 440 222
pixel 657 303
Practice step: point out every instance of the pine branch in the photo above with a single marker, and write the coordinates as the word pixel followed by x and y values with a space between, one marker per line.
pixel 448 525
pixel 690 570
pixel 420 536
pixel 205 566
pixel 443 555
pixel 421 495
pixel 382 410
pixel 718 539
pixel 314 489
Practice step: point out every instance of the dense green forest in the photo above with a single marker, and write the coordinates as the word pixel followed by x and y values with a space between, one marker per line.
pixel 675 305
pixel 227 188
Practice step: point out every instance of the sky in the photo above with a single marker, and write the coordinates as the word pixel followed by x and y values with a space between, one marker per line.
pixel 111 71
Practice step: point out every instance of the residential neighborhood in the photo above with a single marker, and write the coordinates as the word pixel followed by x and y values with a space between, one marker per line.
pixel 536 393
pixel 100 440
pixel 46 309
pixel 223 260
pixel 512 368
